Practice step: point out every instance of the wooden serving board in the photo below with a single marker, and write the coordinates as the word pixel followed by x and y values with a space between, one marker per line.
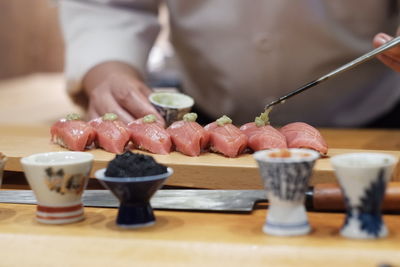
pixel 209 170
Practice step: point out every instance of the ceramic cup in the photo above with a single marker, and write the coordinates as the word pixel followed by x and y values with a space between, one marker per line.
pixel 363 178
pixel 58 180
pixel 3 160
pixel 134 194
pixel 171 105
pixel 286 180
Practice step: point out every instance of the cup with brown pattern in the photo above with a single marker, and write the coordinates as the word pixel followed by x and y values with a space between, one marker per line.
pixel 58 180
pixel 3 160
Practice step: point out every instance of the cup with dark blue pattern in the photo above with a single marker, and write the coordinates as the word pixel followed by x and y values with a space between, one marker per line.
pixel 134 194
pixel 286 174
pixel 363 178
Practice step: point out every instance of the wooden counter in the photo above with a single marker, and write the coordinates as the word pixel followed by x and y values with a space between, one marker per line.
pixel 177 238
pixel 37 99
pixel 186 239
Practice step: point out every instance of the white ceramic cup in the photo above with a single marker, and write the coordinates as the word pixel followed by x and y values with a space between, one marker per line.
pixel 58 180
pixel 286 180
pixel 171 105
pixel 3 160
pixel 363 178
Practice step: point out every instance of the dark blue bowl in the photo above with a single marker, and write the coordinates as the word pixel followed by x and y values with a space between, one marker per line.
pixel 134 194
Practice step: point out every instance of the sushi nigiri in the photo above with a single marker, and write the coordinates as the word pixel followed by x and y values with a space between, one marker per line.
pixel 303 135
pixel 226 138
pixel 111 133
pixel 148 134
pixel 261 135
pixel 72 133
pixel 189 137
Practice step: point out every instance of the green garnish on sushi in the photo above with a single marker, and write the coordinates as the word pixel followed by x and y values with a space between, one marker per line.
pixel 190 116
pixel 73 117
pixel 263 119
pixel 110 117
pixel 149 118
pixel 223 120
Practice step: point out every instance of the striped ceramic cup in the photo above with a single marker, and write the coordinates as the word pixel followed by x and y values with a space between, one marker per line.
pixel 58 180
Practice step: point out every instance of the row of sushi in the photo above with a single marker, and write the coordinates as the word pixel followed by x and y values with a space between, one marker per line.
pixel 186 136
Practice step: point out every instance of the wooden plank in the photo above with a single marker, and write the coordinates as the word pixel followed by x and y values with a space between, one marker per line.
pixel 186 239
pixel 210 170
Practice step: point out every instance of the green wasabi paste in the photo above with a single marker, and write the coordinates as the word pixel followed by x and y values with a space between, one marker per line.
pixel 149 118
pixel 263 119
pixel 223 120
pixel 73 117
pixel 110 117
pixel 164 99
pixel 190 117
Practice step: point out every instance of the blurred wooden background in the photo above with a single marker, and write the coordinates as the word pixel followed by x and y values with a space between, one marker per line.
pixel 32 60
pixel 30 38
pixel 31 63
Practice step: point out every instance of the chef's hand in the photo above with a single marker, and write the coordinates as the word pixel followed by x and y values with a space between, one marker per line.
pixel 391 57
pixel 118 88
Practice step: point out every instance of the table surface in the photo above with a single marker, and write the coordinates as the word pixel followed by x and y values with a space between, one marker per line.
pixel 187 239
pixel 181 238
pixel 37 99
pixel 198 238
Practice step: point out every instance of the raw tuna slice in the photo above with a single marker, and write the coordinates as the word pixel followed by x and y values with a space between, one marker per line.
pixel 148 134
pixel 263 137
pixel 72 133
pixel 303 135
pixel 111 133
pixel 189 137
pixel 226 138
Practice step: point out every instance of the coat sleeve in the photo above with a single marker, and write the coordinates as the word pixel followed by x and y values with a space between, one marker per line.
pixel 97 31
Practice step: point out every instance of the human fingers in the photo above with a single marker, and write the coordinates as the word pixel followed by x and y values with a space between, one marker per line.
pixel 92 113
pixel 382 38
pixel 390 62
pixel 145 90
pixel 391 57
pixel 102 101
pixel 133 99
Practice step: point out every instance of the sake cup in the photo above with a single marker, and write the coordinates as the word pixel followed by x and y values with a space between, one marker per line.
pixel 171 105
pixel 58 180
pixel 3 160
pixel 363 178
pixel 286 180
pixel 134 194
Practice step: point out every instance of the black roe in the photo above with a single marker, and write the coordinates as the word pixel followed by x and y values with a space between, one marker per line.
pixel 134 165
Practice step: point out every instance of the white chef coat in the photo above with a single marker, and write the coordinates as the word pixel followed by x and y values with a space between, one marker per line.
pixel 238 55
